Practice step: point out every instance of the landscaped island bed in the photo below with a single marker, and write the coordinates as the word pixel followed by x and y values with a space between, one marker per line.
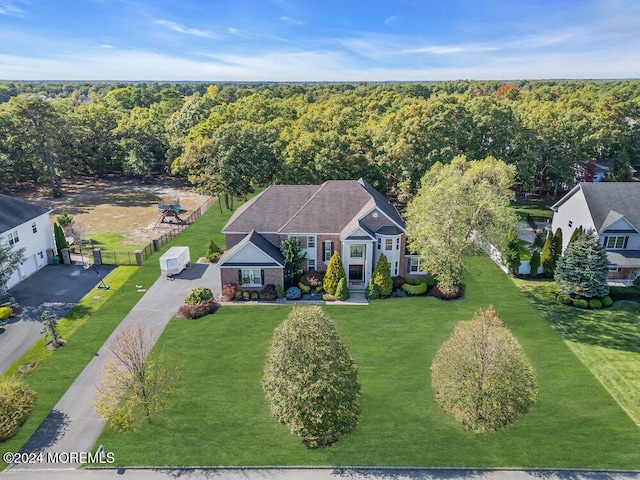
pixel 221 417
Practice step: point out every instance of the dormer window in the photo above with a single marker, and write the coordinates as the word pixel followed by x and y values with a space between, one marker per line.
pixel 616 243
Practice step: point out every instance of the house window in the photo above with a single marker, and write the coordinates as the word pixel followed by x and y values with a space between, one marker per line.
pixel 356 251
pixel 570 224
pixel 398 243
pixel 388 243
pixel 395 270
pixel 414 265
pixel 311 242
pixel 328 250
pixel 41 255
pixel 34 227
pixel 250 277
pixel 13 238
pixel 616 242
pixel 379 243
pixel 311 264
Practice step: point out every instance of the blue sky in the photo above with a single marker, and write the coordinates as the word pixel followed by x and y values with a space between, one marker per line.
pixel 296 40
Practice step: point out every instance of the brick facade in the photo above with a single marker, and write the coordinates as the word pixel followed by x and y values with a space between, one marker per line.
pixel 273 276
pixel 375 223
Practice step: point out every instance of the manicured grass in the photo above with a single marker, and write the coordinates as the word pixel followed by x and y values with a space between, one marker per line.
pixel 112 243
pixel 58 370
pixel 539 211
pixel 220 417
pixel 605 340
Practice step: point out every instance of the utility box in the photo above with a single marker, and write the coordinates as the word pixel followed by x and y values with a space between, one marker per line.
pixel 174 260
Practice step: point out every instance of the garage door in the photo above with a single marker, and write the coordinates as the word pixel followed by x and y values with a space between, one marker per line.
pixel 29 266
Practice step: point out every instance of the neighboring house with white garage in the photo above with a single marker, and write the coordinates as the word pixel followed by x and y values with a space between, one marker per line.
pixel 25 225
pixel 612 209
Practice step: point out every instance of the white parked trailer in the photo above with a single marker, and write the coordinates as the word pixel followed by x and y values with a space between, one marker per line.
pixel 174 260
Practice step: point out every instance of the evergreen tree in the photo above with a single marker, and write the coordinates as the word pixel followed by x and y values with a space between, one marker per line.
pixel 342 292
pixel 534 263
pixel 382 276
pixel 60 239
pixel 584 268
pixel 557 246
pixel 50 328
pixel 293 258
pixel 310 379
pixel 620 170
pixel 335 271
pixel 576 233
pixel 548 264
pixel 511 258
pixel 372 292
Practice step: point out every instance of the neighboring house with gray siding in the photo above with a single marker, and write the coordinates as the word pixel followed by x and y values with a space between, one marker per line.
pixel 346 216
pixel 612 209
pixel 25 225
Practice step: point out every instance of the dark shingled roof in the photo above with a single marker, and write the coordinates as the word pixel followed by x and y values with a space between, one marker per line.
pixel 326 208
pixel 624 258
pixel 260 242
pixel 620 197
pixel 14 212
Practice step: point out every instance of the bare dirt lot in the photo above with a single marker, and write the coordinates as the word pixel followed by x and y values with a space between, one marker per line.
pixel 127 208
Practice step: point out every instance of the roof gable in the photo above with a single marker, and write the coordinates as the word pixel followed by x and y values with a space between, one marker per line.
pixel 253 250
pixel 621 198
pixel 14 212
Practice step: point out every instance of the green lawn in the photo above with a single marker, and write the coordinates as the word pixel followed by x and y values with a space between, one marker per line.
pixel 220 416
pixel 539 211
pixel 605 340
pixel 111 242
pixel 57 370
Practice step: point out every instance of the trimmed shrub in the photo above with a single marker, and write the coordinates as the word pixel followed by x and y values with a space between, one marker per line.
pixel 565 299
pixel 431 282
pixel 213 251
pixel 319 289
pixel 293 293
pixel 595 303
pixel 5 312
pixel 16 402
pixel 624 293
pixel 246 296
pixel 414 290
pixel 371 292
pixel 636 282
pixel 606 301
pixel 255 296
pixel 438 292
pixel 327 297
pixel 310 379
pixel 398 294
pixel 191 312
pixel 342 292
pixel 534 262
pixel 312 278
pixel 214 257
pixel 198 295
pixel 238 295
pixel 397 282
pixel 580 303
pixel 382 276
pixel 280 291
pixel 335 271
pixel 269 293
pixel 229 291
pixel 304 288
pixel 481 375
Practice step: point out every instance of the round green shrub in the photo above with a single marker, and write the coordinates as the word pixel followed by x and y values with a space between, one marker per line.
pixel 198 295
pixel 255 296
pixel 371 292
pixel 580 303
pixel 606 301
pixel 246 295
pixel 304 288
pixel 419 289
pixel 238 295
pixel 595 303
pixel 16 402
pixel 565 299
pixel 5 312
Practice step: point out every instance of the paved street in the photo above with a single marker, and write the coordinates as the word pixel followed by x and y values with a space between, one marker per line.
pixel 56 289
pixel 73 425
pixel 316 474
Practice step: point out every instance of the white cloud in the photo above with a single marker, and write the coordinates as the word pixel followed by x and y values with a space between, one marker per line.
pixel 106 45
pixel 178 27
pixel 392 20
pixel 292 21
pixel 11 9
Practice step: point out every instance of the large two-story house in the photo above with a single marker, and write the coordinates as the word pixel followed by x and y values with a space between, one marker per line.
pixel 347 216
pixel 612 209
pixel 25 225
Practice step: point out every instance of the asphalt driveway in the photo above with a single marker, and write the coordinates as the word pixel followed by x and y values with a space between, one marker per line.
pixel 54 288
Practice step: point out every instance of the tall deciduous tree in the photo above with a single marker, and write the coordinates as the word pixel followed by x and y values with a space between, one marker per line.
pixel 454 202
pixel 584 267
pixel 132 380
pixel 481 375
pixel 310 379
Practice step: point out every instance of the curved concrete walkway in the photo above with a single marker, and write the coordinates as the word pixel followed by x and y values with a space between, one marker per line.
pixel 73 425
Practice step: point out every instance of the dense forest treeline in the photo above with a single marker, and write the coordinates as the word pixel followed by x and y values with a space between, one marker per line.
pixel 226 138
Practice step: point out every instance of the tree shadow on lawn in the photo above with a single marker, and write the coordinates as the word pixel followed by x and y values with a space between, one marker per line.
pixel 604 328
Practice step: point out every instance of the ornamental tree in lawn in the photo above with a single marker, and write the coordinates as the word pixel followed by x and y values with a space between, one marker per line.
pixel 335 271
pixel 456 201
pixel 310 379
pixel 584 268
pixel 382 276
pixel 481 375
